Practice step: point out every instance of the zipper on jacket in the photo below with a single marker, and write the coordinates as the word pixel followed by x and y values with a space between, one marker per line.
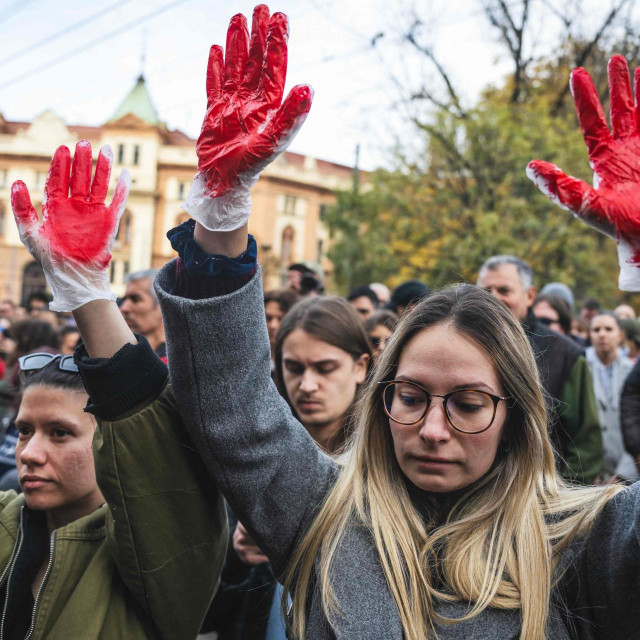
pixel 52 544
pixel 16 552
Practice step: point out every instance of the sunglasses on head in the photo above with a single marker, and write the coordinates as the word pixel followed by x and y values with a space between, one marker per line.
pixel 35 361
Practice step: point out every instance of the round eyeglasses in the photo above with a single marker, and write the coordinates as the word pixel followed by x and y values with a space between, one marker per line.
pixel 467 410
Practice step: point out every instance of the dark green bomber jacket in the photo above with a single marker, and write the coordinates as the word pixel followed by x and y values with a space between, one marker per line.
pixel 147 564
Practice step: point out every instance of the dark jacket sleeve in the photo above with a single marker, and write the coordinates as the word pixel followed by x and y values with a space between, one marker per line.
pixel 266 464
pixel 630 411
pixel 584 454
pixel 166 526
pixel 603 583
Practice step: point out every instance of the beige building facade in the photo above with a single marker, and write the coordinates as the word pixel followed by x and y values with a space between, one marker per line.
pixel 288 199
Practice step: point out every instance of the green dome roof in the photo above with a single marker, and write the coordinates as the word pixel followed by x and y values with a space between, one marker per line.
pixel 138 102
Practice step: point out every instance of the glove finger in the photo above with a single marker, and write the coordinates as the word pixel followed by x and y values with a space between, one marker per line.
pixel 23 211
pixel 621 108
pixel 57 184
pixel 636 93
pixel 259 29
pixel 100 184
pixel 590 114
pixel 571 194
pixel 274 70
pixel 290 117
pixel 236 52
pixel 81 171
pixel 120 196
pixel 215 65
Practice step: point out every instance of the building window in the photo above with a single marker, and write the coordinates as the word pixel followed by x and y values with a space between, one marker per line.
pixel 320 250
pixel 286 252
pixel 112 272
pixel 3 220
pixel 120 153
pixel 136 154
pixel 125 230
pixel 290 205
pixel 4 174
pixel 323 211
pixel 181 191
pixel 125 271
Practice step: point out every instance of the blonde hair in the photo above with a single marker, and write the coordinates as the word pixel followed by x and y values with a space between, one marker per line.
pixel 502 538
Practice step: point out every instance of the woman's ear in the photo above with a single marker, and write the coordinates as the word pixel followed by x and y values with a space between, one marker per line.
pixel 361 367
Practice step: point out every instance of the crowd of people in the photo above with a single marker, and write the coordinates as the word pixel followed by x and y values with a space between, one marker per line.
pixel 202 455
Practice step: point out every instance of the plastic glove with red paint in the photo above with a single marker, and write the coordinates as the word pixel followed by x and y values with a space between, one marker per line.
pixel 73 242
pixel 245 127
pixel 612 205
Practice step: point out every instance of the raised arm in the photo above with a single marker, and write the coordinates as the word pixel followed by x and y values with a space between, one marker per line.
pixel 145 464
pixel 266 464
pixel 612 204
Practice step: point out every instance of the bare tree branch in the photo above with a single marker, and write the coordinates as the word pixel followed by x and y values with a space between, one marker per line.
pixel 583 54
pixel 428 52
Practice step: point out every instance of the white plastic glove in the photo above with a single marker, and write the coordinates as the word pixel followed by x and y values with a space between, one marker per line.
pixel 73 242
pixel 245 127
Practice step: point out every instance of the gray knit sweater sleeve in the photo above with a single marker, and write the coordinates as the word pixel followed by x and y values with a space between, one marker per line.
pixel 265 462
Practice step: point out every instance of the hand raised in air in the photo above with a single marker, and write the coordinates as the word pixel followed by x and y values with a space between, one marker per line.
pixel 612 205
pixel 246 125
pixel 73 242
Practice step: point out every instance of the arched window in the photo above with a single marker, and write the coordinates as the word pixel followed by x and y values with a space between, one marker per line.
pixel 125 231
pixel 286 251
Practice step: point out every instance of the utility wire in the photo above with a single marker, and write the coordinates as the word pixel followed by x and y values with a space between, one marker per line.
pixel 85 47
pixel 63 32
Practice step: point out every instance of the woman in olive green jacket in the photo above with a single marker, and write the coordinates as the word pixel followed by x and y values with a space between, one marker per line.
pixel 125 541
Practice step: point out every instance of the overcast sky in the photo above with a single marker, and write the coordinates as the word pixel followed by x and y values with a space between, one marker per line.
pixel 329 48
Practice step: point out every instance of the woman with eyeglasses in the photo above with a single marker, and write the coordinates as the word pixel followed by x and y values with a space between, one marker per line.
pixel 125 539
pixel 445 516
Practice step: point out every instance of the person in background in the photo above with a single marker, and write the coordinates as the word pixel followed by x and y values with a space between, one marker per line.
pixel 276 305
pixel 590 307
pixel 37 303
pixel 379 328
pixel 382 291
pixel 580 331
pixel 624 312
pixel 141 311
pixel 406 295
pixel 364 300
pixel 561 290
pixel 609 370
pixel 631 329
pixel 304 280
pixel 69 339
pixel 575 428
pixel 553 311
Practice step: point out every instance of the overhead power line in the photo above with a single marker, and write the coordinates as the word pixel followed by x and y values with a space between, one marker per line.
pixel 63 32
pixel 85 47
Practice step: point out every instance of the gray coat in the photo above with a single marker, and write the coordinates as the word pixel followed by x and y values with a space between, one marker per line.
pixel 275 478
pixel 616 460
